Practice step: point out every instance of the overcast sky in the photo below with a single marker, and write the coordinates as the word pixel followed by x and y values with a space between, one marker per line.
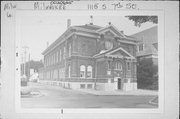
pixel 37 31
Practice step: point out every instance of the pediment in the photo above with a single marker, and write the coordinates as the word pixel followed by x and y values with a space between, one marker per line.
pixel 121 53
pixel 111 30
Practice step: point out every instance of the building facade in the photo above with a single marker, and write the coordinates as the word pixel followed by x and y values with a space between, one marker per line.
pixel 91 57
pixel 147 46
pixel 147 58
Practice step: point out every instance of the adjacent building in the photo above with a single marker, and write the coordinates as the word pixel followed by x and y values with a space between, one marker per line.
pixel 147 46
pixel 91 57
pixel 147 58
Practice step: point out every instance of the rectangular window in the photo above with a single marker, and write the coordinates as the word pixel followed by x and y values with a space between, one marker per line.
pixel 140 47
pixel 118 66
pixel 59 55
pixel 128 66
pixel 89 86
pixel 64 54
pixel 69 50
pixel 56 57
pixel 69 71
pixel 82 86
pixel 51 59
pixel 109 65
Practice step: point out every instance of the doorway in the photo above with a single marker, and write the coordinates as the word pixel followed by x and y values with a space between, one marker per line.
pixel 119 84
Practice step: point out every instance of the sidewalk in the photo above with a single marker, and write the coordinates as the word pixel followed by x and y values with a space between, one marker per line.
pixel 118 92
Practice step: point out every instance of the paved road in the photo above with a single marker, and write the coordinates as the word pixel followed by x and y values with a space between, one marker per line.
pixel 57 97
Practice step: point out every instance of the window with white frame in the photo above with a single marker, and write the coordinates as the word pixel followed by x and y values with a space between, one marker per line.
pixel 82 71
pixel 89 72
pixel 118 65
pixel 128 66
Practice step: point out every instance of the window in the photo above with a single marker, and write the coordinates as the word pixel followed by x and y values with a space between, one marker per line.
pixel 64 54
pixel 82 86
pixel 128 66
pixel 108 45
pixel 118 66
pixel 89 72
pixel 140 47
pixel 89 86
pixel 56 57
pixel 82 71
pixel 69 71
pixel 59 55
pixel 51 59
pixel 109 65
pixel 69 50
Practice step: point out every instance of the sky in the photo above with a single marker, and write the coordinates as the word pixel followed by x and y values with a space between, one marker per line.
pixel 37 31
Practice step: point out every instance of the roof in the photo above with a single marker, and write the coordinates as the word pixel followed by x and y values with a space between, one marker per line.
pixel 149 38
pixel 89 27
pixel 144 31
pixel 118 52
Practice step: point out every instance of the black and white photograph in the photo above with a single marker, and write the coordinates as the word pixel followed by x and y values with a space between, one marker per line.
pixel 114 59
pixel 89 62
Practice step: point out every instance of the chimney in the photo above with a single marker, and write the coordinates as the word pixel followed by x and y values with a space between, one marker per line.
pixel 109 23
pixel 91 17
pixel 68 23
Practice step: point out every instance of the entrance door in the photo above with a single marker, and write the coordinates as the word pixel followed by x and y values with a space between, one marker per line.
pixel 119 83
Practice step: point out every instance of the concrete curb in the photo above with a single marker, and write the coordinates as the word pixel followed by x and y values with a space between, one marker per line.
pixel 104 93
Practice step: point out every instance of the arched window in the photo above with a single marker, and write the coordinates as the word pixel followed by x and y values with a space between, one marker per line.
pixel 82 71
pixel 89 72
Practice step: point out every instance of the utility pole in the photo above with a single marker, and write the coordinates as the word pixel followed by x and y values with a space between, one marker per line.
pixel 25 48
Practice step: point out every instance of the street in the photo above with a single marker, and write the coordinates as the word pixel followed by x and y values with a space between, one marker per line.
pixel 57 97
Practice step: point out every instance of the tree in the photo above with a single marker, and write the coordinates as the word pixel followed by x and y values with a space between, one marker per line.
pixel 36 65
pixel 147 74
pixel 138 20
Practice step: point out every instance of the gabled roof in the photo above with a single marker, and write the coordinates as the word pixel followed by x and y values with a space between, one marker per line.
pixel 94 29
pixel 116 53
pixel 89 27
pixel 113 29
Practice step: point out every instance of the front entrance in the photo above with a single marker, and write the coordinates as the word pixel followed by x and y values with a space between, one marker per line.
pixel 119 84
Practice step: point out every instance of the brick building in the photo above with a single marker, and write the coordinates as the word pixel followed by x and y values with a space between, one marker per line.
pixel 147 58
pixel 147 44
pixel 91 57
